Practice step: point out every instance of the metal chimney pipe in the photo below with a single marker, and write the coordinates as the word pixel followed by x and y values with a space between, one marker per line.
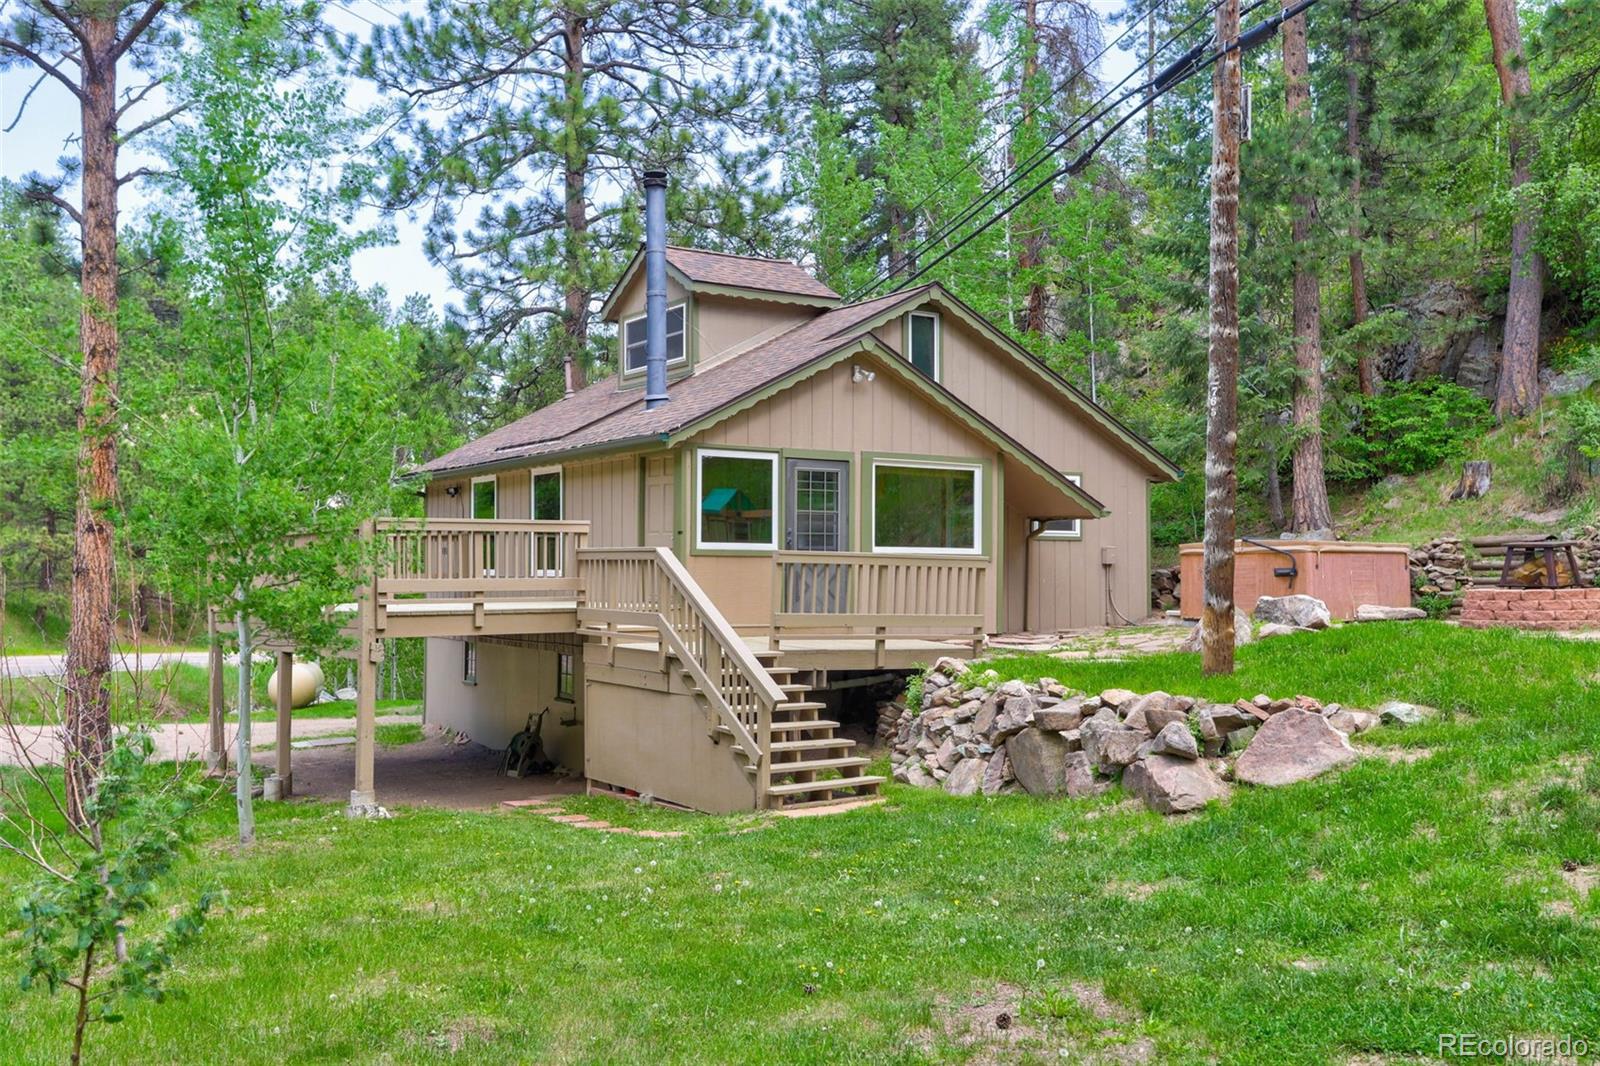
pixel 655 288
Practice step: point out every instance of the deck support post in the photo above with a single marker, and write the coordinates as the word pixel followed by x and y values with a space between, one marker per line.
pixel 216 710
pixel 280 784
pixel 369 653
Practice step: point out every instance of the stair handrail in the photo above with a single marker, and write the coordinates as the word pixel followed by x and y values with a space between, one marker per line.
pixel 749 676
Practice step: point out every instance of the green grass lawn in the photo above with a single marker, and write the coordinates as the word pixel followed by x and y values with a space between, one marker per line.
pixel 173 692
pixel 1360 914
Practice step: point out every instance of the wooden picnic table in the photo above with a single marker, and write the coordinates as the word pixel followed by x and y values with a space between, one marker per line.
pixel 1540 549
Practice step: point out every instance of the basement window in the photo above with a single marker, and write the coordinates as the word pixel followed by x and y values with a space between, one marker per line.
pixel 634 334
pixel 1061 528
pixel 922 342
pixel 927 507
pixel 469 662
pixel 566 678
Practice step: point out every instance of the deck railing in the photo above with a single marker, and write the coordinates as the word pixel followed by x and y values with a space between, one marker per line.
pixel 478 557
pixel 624 587
pixel 844 594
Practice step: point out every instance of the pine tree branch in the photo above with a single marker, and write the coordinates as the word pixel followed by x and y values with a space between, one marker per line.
pixel 150 124
pixel 45 196
pixel 141 24
pixel 17 48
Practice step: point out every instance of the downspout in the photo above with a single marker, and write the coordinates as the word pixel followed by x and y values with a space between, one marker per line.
pixel 655 288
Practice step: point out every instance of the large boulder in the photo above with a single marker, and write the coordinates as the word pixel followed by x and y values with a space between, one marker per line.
pixel 1172 785
pixel 1061 717
pixel 1305 612
pixel 1175 739
pixel 1081 779
pixel 1293 745
pixel 967 777
pixel 1242 633
pixel 1144 711
pixel 1039 759
pixel 1375 612
pixel 1110 751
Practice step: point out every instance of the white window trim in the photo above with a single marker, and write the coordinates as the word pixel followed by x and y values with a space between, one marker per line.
pixel 561 495
pixel 626 369
pixel 700 542
pixel 472 500
pixel 977 507
pixel 1077 523
pixel 938 340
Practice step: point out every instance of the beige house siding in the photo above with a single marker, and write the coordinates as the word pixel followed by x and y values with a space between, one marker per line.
pixel 512 683
pixel 1066 584
pixel 726 325
pixel 438 503
pixel 605 493
pixel 829 413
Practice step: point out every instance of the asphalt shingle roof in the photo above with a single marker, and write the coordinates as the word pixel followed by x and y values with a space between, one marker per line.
pixel 604 413
pixel 747 272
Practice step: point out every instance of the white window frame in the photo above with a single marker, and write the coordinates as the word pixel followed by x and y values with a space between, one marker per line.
pixel 684 306
pixel 1076 533
pixel 472 498
pixel 469 662
pixel 927 464
pixel 773 459
pixel 938 341
pixel 561 495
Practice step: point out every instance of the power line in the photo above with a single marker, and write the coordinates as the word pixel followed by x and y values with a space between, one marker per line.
pixel 1247 39
pixel 1060 140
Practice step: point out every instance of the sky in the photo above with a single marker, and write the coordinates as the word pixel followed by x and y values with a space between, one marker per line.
pixel 50 121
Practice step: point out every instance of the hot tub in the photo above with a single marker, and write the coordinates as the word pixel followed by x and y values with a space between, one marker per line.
pixel 1342 574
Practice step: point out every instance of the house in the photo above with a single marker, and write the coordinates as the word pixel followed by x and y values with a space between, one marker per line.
pixel 829 491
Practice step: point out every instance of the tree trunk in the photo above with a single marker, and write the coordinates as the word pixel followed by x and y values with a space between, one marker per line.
pixel 1149 76
pixel 243 783
pixel 1031 254
pixel 1476 476
pixel 1518 392
pixel 92 615
pixel 1310 504
pixel 1222 373
pixel 575 171
pixel 1274 490
pixel 1356 58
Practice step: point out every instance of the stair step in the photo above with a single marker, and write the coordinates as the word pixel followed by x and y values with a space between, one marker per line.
pixel 800 705
pixel 837 763
pixel 795 690
pixel 799 788
pixel 793 727
pixel 812 745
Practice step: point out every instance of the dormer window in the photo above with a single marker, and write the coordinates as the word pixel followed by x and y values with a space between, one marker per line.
pixel 633 338
pixel 922 342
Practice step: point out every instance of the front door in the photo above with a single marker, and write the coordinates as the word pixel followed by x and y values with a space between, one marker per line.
pixel 818 520
pixel 819 508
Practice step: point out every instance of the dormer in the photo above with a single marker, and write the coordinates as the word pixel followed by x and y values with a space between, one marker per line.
pixel 718 305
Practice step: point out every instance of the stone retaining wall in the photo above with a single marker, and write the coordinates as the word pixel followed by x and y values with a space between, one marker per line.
pixel 1532 608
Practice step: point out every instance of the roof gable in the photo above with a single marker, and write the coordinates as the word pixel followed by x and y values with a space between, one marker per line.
pixel 757 277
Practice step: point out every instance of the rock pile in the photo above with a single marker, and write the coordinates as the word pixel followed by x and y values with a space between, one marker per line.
pixel 1176 753
pixel 1439 566
pixel 1164 588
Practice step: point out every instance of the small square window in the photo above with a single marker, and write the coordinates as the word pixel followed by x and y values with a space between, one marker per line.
pixel 738 493
pixel 566 679
pixel 469 663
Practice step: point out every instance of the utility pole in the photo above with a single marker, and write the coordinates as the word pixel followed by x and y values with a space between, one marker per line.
pixel 1222 371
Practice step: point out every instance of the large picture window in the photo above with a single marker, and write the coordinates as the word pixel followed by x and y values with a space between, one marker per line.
pixel 737 498
pixel 1061 528
pixel 926 507
pixel 634 333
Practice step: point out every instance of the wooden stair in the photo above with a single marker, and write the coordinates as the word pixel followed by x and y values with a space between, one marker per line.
pixel 811 765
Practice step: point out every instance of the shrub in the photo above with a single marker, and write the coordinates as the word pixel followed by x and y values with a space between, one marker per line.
pixel 1412 427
